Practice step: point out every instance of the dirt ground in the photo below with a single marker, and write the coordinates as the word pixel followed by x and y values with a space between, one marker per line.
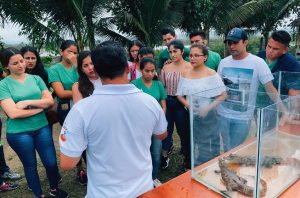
pixel 69 182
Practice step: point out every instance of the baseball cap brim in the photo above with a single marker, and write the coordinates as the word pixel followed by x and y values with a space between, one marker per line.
pixel 231 38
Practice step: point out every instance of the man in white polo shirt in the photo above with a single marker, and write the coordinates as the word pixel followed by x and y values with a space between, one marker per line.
pixel 114 126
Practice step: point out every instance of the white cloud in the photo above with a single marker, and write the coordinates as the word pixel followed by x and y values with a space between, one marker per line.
pixel 9 34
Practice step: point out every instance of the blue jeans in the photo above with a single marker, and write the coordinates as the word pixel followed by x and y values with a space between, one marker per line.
pixel 155 150
pixel 206 137
pixel 25 144
pixel 178 115
pixel 234 132
pixel 174 115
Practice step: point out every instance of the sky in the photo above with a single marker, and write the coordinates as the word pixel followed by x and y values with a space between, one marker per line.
pixel 9 34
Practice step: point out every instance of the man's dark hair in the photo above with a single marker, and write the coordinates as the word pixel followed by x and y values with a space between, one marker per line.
pixel 134 43
pixel 145 50
pixel 39 68
pixel 167 30
pixel 6 54
pixel 281 36
pixel 198 33
pixel 177 44
pixel 109 60
pixel 66 44
pixel 85 86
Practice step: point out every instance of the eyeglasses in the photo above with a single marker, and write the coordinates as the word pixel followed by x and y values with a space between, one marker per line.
pixel 195 55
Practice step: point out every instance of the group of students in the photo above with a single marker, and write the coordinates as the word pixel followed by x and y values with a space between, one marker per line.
pixel 177 79
pixel 26 100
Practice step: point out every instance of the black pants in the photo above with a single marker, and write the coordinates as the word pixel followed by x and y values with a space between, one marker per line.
pixel 3 165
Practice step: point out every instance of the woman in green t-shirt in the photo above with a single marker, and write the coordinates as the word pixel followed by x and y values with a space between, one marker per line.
pixel 62 76
pixel 149 84
pixel 23 98
pixel 35 66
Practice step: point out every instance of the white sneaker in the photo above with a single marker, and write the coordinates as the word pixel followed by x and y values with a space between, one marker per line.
pixel 156 183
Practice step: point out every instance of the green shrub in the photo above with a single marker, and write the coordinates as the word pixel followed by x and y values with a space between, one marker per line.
pixel 217 45
pixel 47 61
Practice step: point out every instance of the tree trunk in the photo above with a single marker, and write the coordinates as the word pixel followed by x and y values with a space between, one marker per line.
pixel 91 32
pixel 226 52
pixel 266 37
pixel 261 41
pixel 79 39
pixel 206 31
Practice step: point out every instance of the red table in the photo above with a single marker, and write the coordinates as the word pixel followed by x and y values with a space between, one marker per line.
pixel 184 186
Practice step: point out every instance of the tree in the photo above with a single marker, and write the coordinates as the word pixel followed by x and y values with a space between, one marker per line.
pixel 271 17
pixel 1 43
pixel 219 15
pixel 143 19
pixel 50 21
pixel 23 12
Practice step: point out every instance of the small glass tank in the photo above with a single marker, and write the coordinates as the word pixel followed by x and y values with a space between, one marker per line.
pixel 242 148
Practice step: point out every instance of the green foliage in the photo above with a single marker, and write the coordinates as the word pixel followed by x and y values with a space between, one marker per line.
pixel 253 45
pixel 48 22
pixel 144 19
pixel 220 15
pixel 1 43
pixel 218 46
pixel 47 61
pixel 270 17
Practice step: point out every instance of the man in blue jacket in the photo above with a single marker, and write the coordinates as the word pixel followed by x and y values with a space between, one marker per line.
pixel 278 57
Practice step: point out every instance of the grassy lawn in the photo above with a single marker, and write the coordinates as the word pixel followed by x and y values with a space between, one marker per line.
pixel 69 182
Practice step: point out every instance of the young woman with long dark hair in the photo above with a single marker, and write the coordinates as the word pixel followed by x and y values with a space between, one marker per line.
pixel 34 63
pixel 87 82
pixel 23 98
pixel 133 49
pixel 176 113
pixel 62 76
pixel 88 77
pixel 35 66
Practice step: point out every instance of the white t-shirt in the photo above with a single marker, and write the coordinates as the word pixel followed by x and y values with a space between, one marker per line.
pixel 201 89
pixel 242 78
pixel 97 83
pixel 114 126
pixel 138 74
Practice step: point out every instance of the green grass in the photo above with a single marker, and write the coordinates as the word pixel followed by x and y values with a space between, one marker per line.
pixel 69 182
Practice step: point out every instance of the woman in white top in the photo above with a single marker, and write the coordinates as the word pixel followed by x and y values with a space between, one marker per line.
pixel 204 83
pixel 87 82
pixel 88 77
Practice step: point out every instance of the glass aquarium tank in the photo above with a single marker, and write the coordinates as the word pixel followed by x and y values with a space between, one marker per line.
pixel 287 83
pixel 246 145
